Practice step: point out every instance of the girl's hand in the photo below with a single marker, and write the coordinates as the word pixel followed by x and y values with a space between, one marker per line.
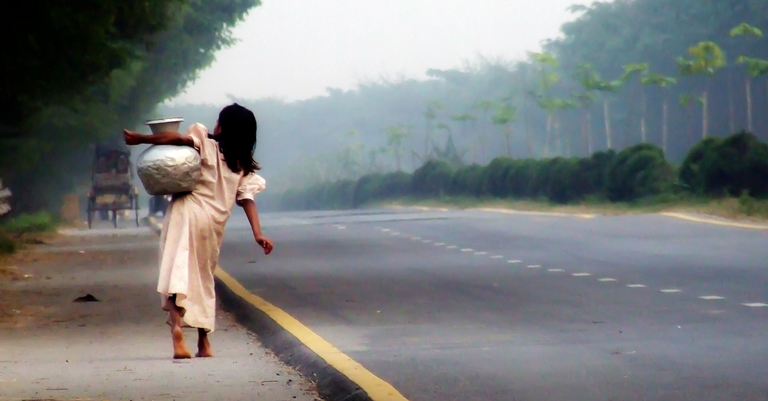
pixel 265 243
pixel 132 138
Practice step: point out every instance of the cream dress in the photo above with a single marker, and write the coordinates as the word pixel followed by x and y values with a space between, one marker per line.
pixel 193 230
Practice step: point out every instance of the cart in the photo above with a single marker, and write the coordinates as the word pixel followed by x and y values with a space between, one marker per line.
pixel 112 188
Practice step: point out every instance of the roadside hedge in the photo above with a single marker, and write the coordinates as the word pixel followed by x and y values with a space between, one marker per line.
pixel 732 166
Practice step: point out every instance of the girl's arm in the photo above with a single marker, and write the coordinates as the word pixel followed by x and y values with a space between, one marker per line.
pixel 163 138
pixel 252 212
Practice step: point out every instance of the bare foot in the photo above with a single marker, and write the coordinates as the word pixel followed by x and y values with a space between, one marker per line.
pixel 180 350
pixel 203 345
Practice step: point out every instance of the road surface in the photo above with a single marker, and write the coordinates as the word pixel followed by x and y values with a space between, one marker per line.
pixel 472 305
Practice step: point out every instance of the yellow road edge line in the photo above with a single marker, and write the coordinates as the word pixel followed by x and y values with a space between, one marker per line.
pixel 715 222
pixel 377 389
pixel 533 213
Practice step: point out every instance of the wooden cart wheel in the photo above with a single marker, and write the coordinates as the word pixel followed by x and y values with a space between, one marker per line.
pixel 136 208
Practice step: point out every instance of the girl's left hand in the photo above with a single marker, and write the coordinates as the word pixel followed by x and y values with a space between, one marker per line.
pixel 265 243
pixel 132 138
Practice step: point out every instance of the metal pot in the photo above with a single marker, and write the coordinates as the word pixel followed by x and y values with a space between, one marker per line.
pixel 168 169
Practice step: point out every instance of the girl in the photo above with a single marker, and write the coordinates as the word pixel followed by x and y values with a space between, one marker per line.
pixel 194 223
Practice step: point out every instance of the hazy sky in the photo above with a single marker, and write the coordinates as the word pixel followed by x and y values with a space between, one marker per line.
pixel 295 49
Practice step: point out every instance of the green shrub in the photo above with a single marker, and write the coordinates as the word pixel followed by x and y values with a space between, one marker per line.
pixel 495 177
pixel 691 175
pixel 31 223
pixel 638 171
pixel 432 179
pixel 735 164
pixel 468 180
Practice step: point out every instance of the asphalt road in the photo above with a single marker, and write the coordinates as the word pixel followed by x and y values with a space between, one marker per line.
pixel 470 305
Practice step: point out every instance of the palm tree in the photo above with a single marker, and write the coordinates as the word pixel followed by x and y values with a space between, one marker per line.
pixel 504 117
pixel 430 114
pixel 664 83
pixel 395 136
pixel 484 106
pixel 589 81
pixel 630 71
pixel 708 57
pixel 755 67
pixel 547 79
pixel 464 119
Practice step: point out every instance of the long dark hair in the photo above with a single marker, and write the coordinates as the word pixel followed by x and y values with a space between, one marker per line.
pixel 237 139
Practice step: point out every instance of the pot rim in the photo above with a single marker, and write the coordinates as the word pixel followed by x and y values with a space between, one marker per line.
pixel 165 120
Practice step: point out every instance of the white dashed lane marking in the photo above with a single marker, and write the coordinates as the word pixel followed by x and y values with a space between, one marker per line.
pixel 755 305
pixel 582 274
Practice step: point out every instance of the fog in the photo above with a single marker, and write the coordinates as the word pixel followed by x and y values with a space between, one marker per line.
pixel 294 49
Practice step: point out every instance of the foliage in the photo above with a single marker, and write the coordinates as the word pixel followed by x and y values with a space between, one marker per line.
pixel 7 244
pixel 102 67
pixel 637 172
pixel 736 166
pixel 30 223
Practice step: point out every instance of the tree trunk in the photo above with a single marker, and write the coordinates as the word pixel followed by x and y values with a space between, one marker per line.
pixel 748 89
pixel 704 115
pixel 731 112
pixel 643 107
pixel 427 130
pixel 584 132
pixel 546 136
pixel 589 133
pixel 507 134
pixel 558 137
pixel 607 121
pixel 527 128
pixel 688 117
pixel 630 119
pixel 665 125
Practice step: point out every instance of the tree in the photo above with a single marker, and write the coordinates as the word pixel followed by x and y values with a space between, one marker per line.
pixel 630 71
pixel 755 67
pixel 484 106
pixel 545 63
pixel 430 114
pixel 664 83
pixel 589 81
pixel 395 136
pixel 62 49
pixel 505 115
pixel 708 57
pixel 463 119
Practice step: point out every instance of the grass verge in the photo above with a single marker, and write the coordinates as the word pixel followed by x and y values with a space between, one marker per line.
pixel 742 208
pixel 24 229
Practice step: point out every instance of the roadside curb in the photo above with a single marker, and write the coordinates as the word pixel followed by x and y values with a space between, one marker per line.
pixel 331 384
pixel 713 221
